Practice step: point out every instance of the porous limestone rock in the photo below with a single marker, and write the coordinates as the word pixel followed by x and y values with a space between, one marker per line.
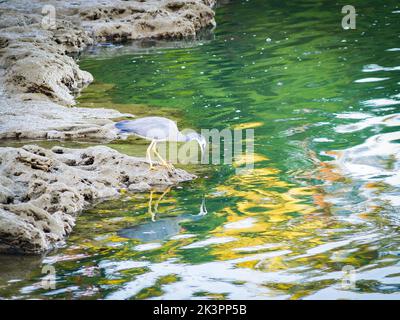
pixel 34 55
pixel 47 120
pixel 35 61
pixel 42 190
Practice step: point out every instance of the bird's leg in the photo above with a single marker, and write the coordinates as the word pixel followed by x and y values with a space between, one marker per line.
pixel 148 154
pixel 163 162
pixel 150 209
pixel 169 166
pixel 161 197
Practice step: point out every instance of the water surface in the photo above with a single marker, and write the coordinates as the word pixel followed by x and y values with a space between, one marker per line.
pixel 324 194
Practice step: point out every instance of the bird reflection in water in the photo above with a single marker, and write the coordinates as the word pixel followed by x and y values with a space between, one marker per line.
pixel 150 205
pixel 161 229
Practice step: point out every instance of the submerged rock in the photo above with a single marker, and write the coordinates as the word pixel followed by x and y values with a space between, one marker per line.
pixel 41 190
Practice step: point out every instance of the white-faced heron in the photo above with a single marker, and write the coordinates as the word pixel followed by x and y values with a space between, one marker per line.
pixel 158 129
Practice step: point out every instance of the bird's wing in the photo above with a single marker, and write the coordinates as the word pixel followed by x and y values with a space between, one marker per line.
pixel 157 128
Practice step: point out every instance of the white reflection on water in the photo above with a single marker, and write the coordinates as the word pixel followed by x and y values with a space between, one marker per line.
pixel 382 102
pixel 369 121
pixel 210 241
pixel 372 168
pixel 377 159
pixel 353 115
pixel 226 278
pixel 366 80
pixel 241 224
pixel 147 246
pixel 376 67
pixel 213 277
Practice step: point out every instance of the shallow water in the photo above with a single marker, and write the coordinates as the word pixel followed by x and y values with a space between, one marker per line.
pixel 324 194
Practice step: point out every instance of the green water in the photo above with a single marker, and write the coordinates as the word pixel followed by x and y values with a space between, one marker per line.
pixel 324 194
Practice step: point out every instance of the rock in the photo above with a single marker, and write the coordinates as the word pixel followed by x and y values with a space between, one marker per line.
pixel 140 186
pixel 43 190
pixel 55 75
pixel 35 57
pixel 6 195
pixel 37 75
pixel 47 120
pixel 132 20
pixel 35 61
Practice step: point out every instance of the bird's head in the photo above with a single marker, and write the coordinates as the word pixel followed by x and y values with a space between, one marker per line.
pixel 199 139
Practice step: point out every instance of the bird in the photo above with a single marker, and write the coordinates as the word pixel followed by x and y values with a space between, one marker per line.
pixel 161 229
pixel 159 129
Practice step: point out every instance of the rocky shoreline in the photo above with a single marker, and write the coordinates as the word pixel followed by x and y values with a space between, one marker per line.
pixel 41 191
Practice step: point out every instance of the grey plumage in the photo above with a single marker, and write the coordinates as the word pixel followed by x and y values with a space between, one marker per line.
pixel 152 128
pixel 158 129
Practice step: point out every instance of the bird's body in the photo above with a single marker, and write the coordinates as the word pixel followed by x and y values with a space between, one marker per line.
pixel 158 129
pixel 152 128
